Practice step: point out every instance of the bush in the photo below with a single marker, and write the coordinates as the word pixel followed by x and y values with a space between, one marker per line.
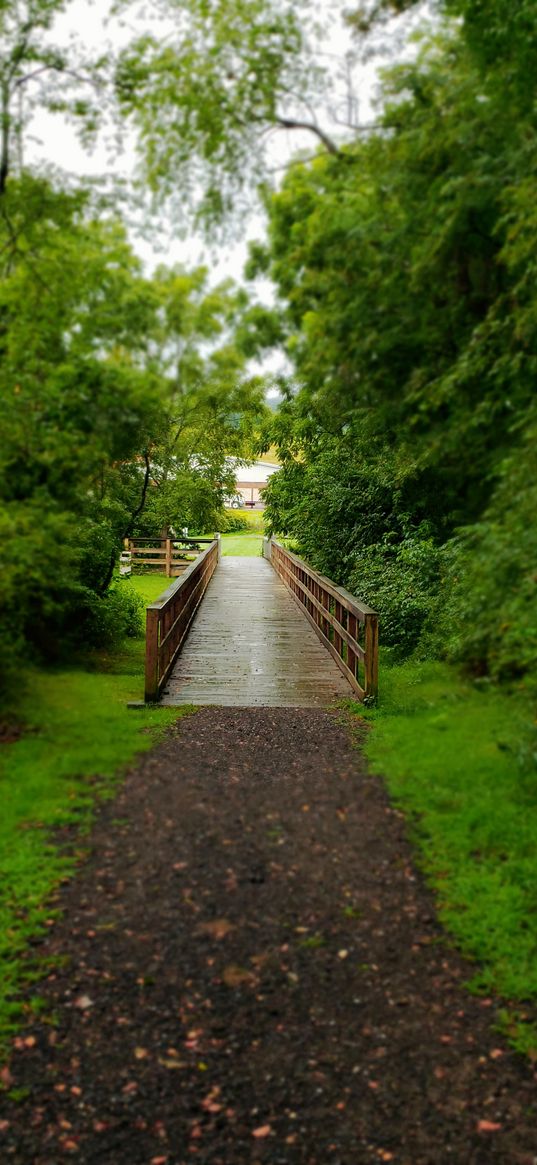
pixel 486 612
pixel 399 580
pixel 231 523
pixel 104 622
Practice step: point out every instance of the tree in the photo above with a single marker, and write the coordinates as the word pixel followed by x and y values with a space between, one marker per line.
pixel 121 399
pixel 79 400
pixel 35 73
pixel 205 101
pixel 214 407
pixel 405 270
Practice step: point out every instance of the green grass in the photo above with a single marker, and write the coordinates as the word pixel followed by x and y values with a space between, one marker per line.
pixel 243 544
pixel 455 758
pixel 78 737
pixel 149 586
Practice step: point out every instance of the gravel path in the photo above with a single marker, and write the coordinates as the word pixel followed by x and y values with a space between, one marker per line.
pixel 255 975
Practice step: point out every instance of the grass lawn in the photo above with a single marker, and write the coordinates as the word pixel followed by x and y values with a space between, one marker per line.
pixel 455 761
pixel 243 544
pixel 78 736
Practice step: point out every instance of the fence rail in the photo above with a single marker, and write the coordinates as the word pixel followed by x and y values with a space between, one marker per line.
pixel 165 555
pixel 168 619
pixel 348 628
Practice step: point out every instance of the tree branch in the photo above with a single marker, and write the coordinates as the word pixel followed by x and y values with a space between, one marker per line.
pixel 4 133
pixel 290 123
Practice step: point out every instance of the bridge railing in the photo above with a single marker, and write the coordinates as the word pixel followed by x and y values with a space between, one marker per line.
pixel 168 619
pixel 164 555
pixel 348 628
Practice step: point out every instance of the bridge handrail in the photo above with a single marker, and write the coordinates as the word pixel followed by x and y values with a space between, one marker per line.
pixel 170 616
pixel 168 555
pixel 338 617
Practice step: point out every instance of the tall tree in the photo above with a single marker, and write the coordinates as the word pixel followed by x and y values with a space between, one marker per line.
pixel 206 100
pixel 35 73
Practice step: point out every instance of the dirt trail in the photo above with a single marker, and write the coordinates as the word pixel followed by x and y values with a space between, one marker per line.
pixel 256 976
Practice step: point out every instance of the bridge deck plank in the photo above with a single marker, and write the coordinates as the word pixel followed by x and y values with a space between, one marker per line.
pixel 250 646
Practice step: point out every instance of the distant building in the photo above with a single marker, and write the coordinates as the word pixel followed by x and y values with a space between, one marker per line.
pixel 251 479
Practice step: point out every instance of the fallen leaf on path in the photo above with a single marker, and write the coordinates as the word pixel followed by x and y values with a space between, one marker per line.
pixel 234 976
pixel 83 1002
pixel 217 929
pixel 141 1053
pixel 488 1127
pixel 262 1131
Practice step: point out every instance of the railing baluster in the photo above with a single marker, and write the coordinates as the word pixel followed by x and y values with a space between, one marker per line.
pixel 168 620
pixel 337 617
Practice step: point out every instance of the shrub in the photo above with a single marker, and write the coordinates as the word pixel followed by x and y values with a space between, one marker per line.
pixel 399 579
pixel 104 622
pixel 486 612
pixel 231 523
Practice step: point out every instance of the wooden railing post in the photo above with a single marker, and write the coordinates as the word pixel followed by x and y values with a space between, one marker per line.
pixel 371 662
pixel 151 655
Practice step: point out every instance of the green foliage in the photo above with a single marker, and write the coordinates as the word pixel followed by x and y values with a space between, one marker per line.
pixel 229 522
pixel 405 268
pixel 35 74
pixel 109 619
pixel 120 400
pixel 486 614
pixel 203 101
pixel 76 406
pixel 399 578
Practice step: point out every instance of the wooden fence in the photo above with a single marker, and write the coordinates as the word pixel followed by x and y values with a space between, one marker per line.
pixel 169 556
pixel 347 627
pixel 168 619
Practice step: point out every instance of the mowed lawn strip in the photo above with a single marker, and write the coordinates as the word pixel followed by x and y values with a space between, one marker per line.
pixel 452 754
pixel 77 736
pixel 243 544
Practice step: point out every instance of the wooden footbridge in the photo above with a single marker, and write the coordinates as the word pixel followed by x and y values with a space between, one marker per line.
pixel 267 631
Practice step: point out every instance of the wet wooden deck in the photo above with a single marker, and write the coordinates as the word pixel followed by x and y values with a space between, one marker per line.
pixel 251 646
